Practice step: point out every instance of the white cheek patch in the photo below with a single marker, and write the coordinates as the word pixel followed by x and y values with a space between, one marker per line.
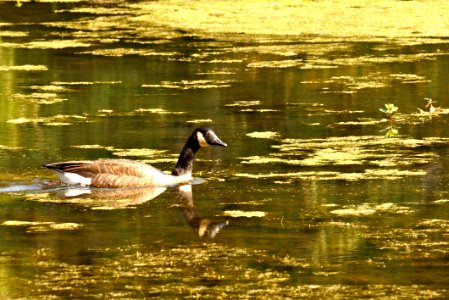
pixel 201 139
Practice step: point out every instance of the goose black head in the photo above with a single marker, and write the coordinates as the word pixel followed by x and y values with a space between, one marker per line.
pixel 206 137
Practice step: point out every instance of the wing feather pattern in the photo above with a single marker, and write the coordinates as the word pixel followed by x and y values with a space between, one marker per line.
pixel 113 172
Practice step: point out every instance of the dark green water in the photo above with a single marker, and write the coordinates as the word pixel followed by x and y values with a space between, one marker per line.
pixel 318 201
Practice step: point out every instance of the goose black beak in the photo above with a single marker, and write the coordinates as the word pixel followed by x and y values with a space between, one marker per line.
pixel 218 142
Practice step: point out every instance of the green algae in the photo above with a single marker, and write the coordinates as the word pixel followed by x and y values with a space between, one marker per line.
pixel 199 121
pixel 243 214
pixel 119 52
pixel 263 134
pixel 35 227
pixel 366 209
pixel 75 83
pixel 41 98
pixel 376 19
pixel 191 84
pixel 186 272
pixel 24 68
pixel 57 120
pixel 396 160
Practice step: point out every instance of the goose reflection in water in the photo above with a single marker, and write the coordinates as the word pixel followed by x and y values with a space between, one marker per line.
pixel 205 227
pixel 121 198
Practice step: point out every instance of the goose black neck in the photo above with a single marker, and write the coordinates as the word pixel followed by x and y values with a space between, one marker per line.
pixel 186 158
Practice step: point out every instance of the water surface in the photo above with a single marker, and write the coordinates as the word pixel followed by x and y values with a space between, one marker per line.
pixel 318 195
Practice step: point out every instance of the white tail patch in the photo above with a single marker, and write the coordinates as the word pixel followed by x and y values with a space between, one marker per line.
pixel 202 140
pixel 73 179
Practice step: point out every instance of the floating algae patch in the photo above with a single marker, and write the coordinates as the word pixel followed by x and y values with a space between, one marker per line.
pixel 263 134
pixel 243 214
pixel 4 147
pixel 375 158
pixel 12 34
pixel 293 50
pixel 199 121
pixel 278 64
pixel 375 80
pixel 367 209
pixel 119 52
pixel 159 111
pixel 58 120
pixel 244 103
pixel 201 271
pixel 408 78
pixel 50 88
pixel 441 201
pixel 24 68
pixel 137 152
pixel 191 84
pixel 96 146
pixel 424 242
pixel 42 226
pixel 371 60
pixel 310 19
pixel 260 110
pixel 250 106
pixel 43 98
pixel 147 155
pixel 332 175
pixel 430 224
pixel 70 83
pixel 50 44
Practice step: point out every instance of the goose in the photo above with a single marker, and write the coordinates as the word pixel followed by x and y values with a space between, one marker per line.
pixel 124 173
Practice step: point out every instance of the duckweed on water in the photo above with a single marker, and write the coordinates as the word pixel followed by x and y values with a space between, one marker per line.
pixel 314 19
pixel 263 134
pixel 43 98
pixel 58 120
pixel 118 52
pixel 145 154
pixel 191 84
pixel 187 272
pixel 245 214
pixel 66 120
pixel 371 209
pixel 397 159
pixel 24 68
pixel 42 226
pixel 199 121
pixel 160 111
pixel 142 152
pixel 244 103
pixel 70 83
pixel 51 44
pixel 249 106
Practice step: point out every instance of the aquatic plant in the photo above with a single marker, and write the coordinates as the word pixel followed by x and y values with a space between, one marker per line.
pixel 429 106
pixel 389 110
pixel 390 132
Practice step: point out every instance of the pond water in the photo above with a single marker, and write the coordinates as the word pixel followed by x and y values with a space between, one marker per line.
pixel 317 195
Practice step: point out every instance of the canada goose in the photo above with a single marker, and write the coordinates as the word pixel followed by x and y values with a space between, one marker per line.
pixel 123 173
